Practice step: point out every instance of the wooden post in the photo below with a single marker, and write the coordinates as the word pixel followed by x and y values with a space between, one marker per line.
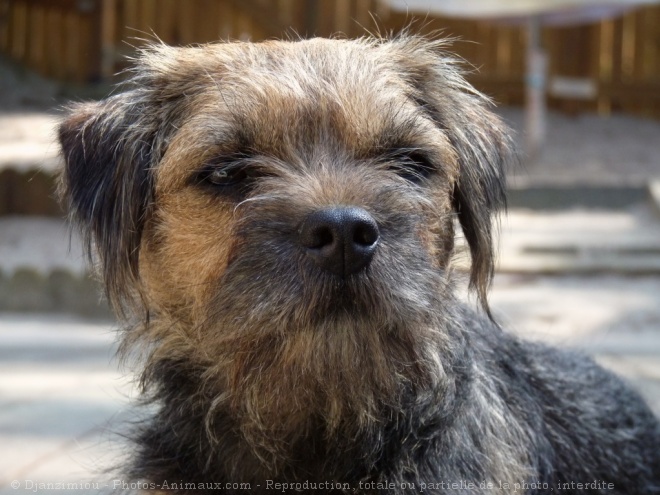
pixel 535 89
pixel 108 37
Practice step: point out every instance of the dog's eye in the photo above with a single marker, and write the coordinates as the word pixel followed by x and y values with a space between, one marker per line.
pixel 225 177
pixel 413 166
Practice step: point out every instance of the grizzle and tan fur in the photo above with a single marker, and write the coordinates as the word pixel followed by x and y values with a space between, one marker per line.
pixel 264 366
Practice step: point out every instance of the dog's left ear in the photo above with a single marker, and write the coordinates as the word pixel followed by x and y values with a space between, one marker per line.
pixel 106 184
pixel 111 149
pixel 480 141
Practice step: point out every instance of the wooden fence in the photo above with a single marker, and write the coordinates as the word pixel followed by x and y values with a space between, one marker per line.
pixel 55 37
pixel 85 41
pixel 620 58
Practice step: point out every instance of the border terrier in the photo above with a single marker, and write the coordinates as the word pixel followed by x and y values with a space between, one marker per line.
pixel 274 224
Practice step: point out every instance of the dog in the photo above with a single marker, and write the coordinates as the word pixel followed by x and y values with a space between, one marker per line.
pixel 274 224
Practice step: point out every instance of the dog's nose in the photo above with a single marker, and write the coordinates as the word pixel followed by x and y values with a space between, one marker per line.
pixel 341 240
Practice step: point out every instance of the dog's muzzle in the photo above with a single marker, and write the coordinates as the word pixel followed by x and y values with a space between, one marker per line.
pixel 341 240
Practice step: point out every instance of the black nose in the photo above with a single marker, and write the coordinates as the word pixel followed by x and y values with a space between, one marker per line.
pixel 341 240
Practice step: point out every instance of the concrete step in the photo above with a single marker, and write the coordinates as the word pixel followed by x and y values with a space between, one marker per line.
pixel 42 268
pixel 558 195
pixel 581 241
pixel 62 403
pixel 29 162
pixel 576 241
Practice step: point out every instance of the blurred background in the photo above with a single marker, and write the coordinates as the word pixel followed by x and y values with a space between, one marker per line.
pixel 579 265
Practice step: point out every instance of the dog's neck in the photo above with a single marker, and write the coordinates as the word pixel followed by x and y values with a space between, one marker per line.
pixel 228 442
pixel 222 451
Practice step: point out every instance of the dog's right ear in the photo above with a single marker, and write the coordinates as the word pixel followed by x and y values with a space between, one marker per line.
pixel 106 183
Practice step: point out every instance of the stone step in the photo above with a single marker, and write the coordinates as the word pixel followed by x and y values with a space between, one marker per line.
pixel 581 241
pixel 29 192
pixel 559 196
pixel 42 266
pixel 29 162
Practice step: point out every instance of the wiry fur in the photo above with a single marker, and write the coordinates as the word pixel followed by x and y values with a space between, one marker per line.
pixel 265 367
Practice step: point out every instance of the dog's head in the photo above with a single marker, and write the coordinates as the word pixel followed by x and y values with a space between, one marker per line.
pixel 207 135
pixel 291 204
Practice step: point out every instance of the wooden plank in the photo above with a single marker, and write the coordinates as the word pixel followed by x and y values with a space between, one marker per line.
pixel 72 44
pixel 94 44
pixel 490 48
pixel 31 194
pixel 503 50
pixel 148 20
pixel 628 46
pixel 628 59
pixel 649 48
pixel 468 45
pixel 571 60
pixel 265 16
pixel 643 90
pixel 592 64
pixel 167 28
pixel 55 45
pixel 360 20
pixel 518 62
pixel 480 55
pixel 500 88
pixel 325 18
pixel 109 37
pixel 130 21
pixel 650 63
pixel 225 17
pixel 381 11
pixel 285 9
pixel 208 24
pixel 606 46
pixel 84 52
pixel 216 12
pixel 568 57
pixel 187 21
pixel 618 104
pixel 125 14
pixel 19 34
pixel 341 17
pixel 244 26
pixel 65 5
pixel 5 15
pixel 593 59
pixel 35 35
pixel 296 24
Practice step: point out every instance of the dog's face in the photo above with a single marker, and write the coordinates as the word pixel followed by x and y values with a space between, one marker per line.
pixel 285 213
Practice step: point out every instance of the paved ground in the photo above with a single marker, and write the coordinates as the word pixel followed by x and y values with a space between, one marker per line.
pixel 614 318
pixel 63 399
pixel 581 241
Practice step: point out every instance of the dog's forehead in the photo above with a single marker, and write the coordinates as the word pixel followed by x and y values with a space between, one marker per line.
pixel 303 92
